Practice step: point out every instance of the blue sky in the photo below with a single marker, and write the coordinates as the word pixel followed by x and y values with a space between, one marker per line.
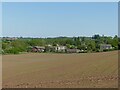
pixel 59 19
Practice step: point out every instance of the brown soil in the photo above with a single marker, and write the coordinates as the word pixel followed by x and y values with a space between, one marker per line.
pixel 41 70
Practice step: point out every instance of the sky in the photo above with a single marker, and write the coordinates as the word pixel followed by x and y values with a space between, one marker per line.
pixel 54 19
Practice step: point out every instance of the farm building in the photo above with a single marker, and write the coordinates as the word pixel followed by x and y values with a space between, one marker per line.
pixel 105 47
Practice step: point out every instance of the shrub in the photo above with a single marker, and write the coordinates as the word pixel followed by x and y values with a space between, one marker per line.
pixel 12 51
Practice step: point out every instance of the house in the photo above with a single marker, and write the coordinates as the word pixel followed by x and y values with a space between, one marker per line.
pixel 37 49
pixel 105 47
pixel 60 48
pixel 72 50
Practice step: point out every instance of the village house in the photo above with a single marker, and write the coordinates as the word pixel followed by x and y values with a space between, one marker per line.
pixel 37 49
pixel 60 48
pixel 105 47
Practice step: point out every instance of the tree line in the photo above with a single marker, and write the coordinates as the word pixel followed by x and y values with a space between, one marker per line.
pixel 92 43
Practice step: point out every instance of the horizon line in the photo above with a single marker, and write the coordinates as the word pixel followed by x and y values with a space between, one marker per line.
pixel 55 36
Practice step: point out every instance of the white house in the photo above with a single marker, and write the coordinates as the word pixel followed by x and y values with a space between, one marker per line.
pixel 105 47
pixel 60 48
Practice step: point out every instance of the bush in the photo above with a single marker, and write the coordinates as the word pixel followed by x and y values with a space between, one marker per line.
pixel 12 51
pixel 97 50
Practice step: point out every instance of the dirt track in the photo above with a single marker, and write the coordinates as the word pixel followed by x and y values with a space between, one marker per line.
pixel 84 70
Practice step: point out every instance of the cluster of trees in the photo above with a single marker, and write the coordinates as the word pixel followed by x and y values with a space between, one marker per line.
pixel 85 43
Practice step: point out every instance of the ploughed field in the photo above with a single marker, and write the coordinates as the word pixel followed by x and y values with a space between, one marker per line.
pixel 41 70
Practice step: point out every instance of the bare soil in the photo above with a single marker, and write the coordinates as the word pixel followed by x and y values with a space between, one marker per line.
pixel 42 70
